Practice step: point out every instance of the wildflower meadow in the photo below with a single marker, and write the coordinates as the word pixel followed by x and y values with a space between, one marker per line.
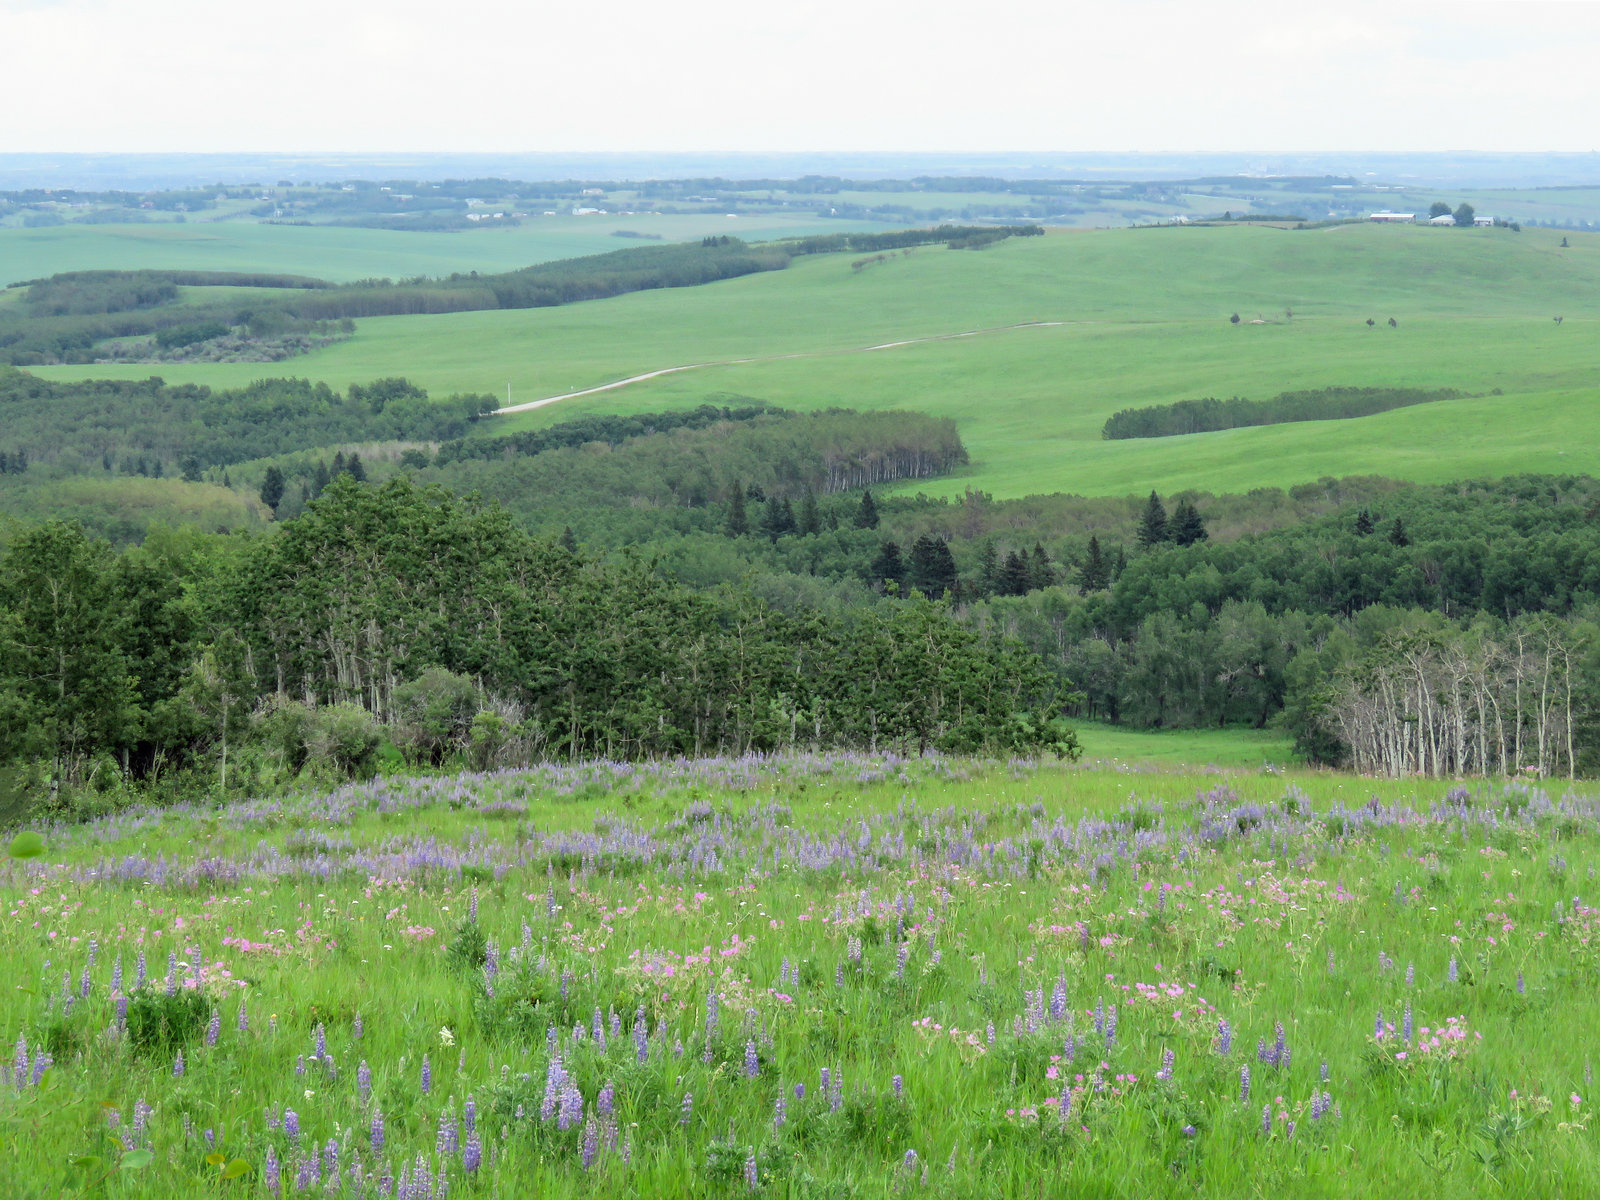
pixel 819 977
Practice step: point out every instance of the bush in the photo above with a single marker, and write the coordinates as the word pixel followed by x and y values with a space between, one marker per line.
pixel 345 737
pixel 433 715
pixel 159 1023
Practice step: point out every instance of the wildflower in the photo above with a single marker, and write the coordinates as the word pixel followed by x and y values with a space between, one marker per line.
pixel 321 1046
pixel 780 1114
pixel 1224 1038
pixel 377 1130
pixel 427 1075
pixel 1244 1084
pixel 364 1081
pixel 687 1110
pixel 446 1038
pixel 1167 1059
pixel 898 1084
pixel 752 1061
pixel 177 1066
pixel 291 1125
pixel 1454 973
pixel 472 1154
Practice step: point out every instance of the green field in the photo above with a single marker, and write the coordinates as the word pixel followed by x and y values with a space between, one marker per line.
pixel 1230 749
pixel 1144 320
pixel 344 254
pixel 829 977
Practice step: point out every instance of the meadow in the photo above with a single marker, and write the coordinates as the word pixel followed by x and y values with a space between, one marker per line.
pixel 1108 320
pixel 820 976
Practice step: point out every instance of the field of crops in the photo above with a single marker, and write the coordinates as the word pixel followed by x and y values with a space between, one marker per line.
pixel 1143 318
pixel 825 977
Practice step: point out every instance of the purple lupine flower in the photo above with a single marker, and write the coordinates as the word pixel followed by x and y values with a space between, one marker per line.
pixel 472 1154
pixel 571 1110
pixel 291 1125
pixel 752 1060
pixel 838 975
pixel 1280 1047
pixel 1189 1131
pixel 780 1114
pixel 177 1066
pixel 591 1143
pixel 1324 1070
pixel 799 1091
pixel 1405 1025
pixel 1317 1107
pixel 1111 1027
pixel 330 1160
pixel 989 1031
pixel 243 1023
pixel 1069 1050
pixel 141 972
pixel 116 974
pixel 1266 1119
pixel 19 1062
pixel 85 985
pixel 271 1172
pixel 364 1081
pixel 898 1084
pixel 1289 1130
pixel 1454 972
pixel 306 1177
pixel 427 1075
pixel 1522 989
pixel 1167 1059
pixel 469 1117
pixel 172 972
pixel 1411 974
pixel 1058 999
pixel 1377 1027
pixel 751 1177
pixel 1099 1017
pixel 300 1065
pixel 1244 1084
pixel 321 1044
pixel 1224 1038
pixel 42 1062
pixel 122 1011
pixel 377 1130
pixel 141 1117
pixel 472 911
pixel 605 1102
pixel 357 1027
pixel 214 1028
pixel 687 1109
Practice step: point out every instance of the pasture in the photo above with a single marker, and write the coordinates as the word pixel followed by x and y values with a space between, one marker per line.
pixel 1075 326
pixel 831 976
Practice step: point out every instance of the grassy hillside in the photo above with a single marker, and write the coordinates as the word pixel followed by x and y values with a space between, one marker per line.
pixel 1144 320
pixel 345 254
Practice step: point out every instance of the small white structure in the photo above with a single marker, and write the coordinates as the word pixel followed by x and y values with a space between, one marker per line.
pixel 1442 219
pixel 1483 220
pixel 1392 217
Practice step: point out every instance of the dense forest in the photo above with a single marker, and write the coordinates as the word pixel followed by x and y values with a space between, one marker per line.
pixel 404 617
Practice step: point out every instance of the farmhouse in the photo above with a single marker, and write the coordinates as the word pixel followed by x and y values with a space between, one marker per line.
pixel 1442 219
pixel 1391 217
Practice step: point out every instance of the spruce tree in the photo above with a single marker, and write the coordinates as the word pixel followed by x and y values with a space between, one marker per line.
pixel 338 464
pixel 1119 564
pixel 1095 573
pixel 1014 576
pixel 1397 534
pixel 933 567
pixel 772 519
pixel 1363 523
pixel 988 569
pixel 738 520
pixel 1153 525
pixel 320 479
pixel 1188 527
pixel 272 489
pixel 867 514
pixel 1041 572
pixel 810 519
pixel 889 567
pixel 569 540
pixel 355 469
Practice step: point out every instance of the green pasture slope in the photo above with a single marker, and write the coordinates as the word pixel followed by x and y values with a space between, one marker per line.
pixel 1144 319
pixel 343 254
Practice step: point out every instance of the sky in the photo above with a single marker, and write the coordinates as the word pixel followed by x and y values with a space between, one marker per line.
pixel 537 75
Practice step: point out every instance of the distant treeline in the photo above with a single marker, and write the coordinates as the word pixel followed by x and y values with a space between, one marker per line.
pixel 64 318
pixel 1211 414
pixel 591 429
pixel 147 427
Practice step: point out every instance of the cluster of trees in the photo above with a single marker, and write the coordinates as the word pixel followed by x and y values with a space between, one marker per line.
pixel 237 661
pixel 613 431
pixel 104 426
pixel 1210 414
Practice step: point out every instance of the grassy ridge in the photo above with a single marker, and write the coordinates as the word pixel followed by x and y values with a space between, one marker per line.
pixel 1147 323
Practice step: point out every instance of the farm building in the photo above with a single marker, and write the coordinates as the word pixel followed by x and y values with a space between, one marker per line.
pixel 1392 217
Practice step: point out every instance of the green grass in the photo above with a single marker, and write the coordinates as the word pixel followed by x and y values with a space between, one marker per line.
pixel 1116 745
pixel 345 254
pixel 1146 314
pixel 872 919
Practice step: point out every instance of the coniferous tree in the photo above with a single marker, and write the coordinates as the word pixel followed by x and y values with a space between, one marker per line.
pixel 272 489
pixel 355 469
pixel 1188 527
pixel 1119 564
pixel 338 464
pixel 1397 534
pixel 988 569
pixel 889 567
pixel 1153 524
pixel 226 482
pixel 738 520
pixel 1095 573
pixel 1363 523
pixel 569 540
pixel 933 567
pixel 810 519
pixel 777 518
pixel 756 492
pixel 1014 576
pixel 320 479
pixel 1041 571
pixel 867 514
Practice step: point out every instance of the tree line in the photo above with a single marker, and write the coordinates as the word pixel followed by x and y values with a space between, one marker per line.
pixel 1210 414
pixel 241 663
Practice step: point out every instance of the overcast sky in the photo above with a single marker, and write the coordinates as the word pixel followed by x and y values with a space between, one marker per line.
pixel 319 75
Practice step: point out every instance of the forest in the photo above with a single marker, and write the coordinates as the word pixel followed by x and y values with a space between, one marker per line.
pixel 1210 414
